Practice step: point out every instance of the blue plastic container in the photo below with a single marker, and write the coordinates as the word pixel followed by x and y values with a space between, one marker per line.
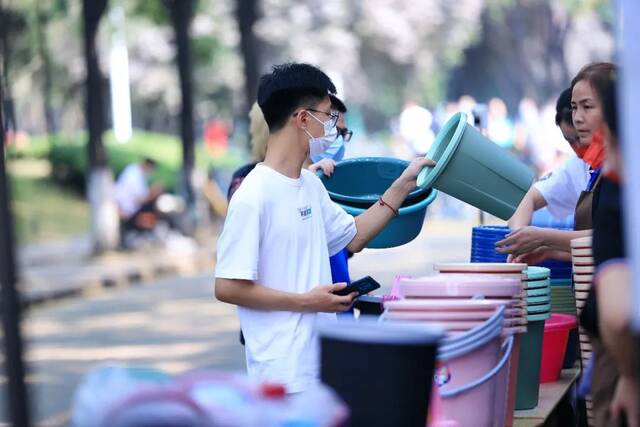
pixel 361 181
pixel 402 228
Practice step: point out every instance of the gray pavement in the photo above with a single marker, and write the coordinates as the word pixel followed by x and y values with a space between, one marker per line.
pixel 175 324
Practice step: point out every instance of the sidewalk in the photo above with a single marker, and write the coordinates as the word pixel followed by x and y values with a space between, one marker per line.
pixel 58 270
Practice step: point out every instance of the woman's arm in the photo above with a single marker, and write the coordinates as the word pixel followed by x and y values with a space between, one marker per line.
pixel 531 202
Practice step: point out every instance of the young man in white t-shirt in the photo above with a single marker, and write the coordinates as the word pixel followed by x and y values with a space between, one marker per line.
pixel 281 229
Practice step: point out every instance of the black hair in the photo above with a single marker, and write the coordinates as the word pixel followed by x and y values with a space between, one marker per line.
pixel 288 87
pixel 563 108
pixel 602 78
pixel 150 162
pixel 337 104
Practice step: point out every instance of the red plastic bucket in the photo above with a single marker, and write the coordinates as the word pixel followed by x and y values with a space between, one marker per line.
pixel 554 345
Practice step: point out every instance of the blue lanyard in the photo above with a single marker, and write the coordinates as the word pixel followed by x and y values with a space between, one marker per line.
pixel 592 179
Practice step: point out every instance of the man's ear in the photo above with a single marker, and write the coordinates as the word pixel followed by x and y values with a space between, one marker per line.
pixel 301 119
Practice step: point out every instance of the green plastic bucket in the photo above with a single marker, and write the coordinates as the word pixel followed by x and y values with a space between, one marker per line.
pixel 473 169
pixel 528 383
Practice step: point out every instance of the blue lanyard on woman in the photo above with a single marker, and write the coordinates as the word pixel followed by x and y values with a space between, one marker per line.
pixel 592 179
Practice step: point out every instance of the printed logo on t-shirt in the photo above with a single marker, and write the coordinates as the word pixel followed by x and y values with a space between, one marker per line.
pixel 305 212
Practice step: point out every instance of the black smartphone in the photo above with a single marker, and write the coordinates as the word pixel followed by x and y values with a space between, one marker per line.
pixel 361 286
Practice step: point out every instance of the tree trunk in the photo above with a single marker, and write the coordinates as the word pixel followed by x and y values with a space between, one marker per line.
pixel 247 15
pixel 10 121
pixel 181 12
pixel 104 214
pixel 43 52
pixel 16 390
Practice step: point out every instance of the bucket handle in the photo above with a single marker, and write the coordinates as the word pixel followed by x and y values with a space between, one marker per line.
pixel 488 376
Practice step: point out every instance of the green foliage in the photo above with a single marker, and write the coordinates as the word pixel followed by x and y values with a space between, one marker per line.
pixel 68 158
pixel 154 10
pixel 45 211
pixel 36 147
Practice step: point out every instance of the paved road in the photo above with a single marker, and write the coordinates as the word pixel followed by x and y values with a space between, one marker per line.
pixel 176 325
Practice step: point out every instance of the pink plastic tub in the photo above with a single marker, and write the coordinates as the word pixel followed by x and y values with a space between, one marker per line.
pixel 449 286
pixel 474 404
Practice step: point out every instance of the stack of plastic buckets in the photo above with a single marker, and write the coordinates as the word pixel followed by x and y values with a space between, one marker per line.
pixel 583 267
pixel 483 243
pixel 473 361
pixel 538 311
pixel 509 271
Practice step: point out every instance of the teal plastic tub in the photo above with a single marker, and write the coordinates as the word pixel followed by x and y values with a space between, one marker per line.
pixel 473 169
pixel 361 181
pixel 403 227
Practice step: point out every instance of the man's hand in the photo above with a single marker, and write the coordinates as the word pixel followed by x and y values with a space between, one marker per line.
pixel 626 400
pixel 327 166
pixel 322 299
pixel 521 241
pixel 410 174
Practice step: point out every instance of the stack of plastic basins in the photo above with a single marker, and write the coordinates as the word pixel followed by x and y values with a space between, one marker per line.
pixel 483 249
pixel 473 361
pixel 537 287
pixel 583 267
pixel 504 271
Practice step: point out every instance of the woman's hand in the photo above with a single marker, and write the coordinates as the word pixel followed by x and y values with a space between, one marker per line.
pixel 522 241
pixel 327 166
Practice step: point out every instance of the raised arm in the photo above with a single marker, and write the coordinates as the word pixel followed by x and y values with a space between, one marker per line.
pixel 531 202
pixel 373 220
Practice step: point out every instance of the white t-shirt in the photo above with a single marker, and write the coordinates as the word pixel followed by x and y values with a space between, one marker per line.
pixel 280 233
pixel 131 189
pixel 562 187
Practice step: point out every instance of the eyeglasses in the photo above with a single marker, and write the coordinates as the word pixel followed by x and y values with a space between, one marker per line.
pixel 345 133
pixel 333 116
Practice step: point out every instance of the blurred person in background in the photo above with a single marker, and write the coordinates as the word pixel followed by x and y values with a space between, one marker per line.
pixel 530 138
pixel 560 189
pixel 414 125
pixel 500 127
pixel 532 245
pixel 135 199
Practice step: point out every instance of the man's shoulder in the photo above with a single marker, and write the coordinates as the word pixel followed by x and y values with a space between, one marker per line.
pixel 312 180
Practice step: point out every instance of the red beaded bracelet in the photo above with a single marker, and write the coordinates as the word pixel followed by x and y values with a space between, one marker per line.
pixel 383 203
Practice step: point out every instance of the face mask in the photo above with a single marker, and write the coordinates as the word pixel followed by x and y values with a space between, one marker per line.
pixel 317 146
pixel 580 150
pixel 335 151
pixel 594 156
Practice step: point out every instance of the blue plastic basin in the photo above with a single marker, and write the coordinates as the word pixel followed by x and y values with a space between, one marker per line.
pixel 402 228
pixel 361 181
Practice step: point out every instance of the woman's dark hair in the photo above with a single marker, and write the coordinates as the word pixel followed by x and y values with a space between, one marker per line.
pixel 597 74
pixel 288 87
pixel 563 108
pixel 602 77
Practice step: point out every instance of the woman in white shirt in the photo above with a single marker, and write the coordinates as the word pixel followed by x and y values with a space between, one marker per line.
pixel 560 189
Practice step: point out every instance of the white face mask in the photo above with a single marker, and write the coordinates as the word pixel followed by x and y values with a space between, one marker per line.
pixel 317 146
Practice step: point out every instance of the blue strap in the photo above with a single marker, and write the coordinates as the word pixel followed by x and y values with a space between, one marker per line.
pixel 592 179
